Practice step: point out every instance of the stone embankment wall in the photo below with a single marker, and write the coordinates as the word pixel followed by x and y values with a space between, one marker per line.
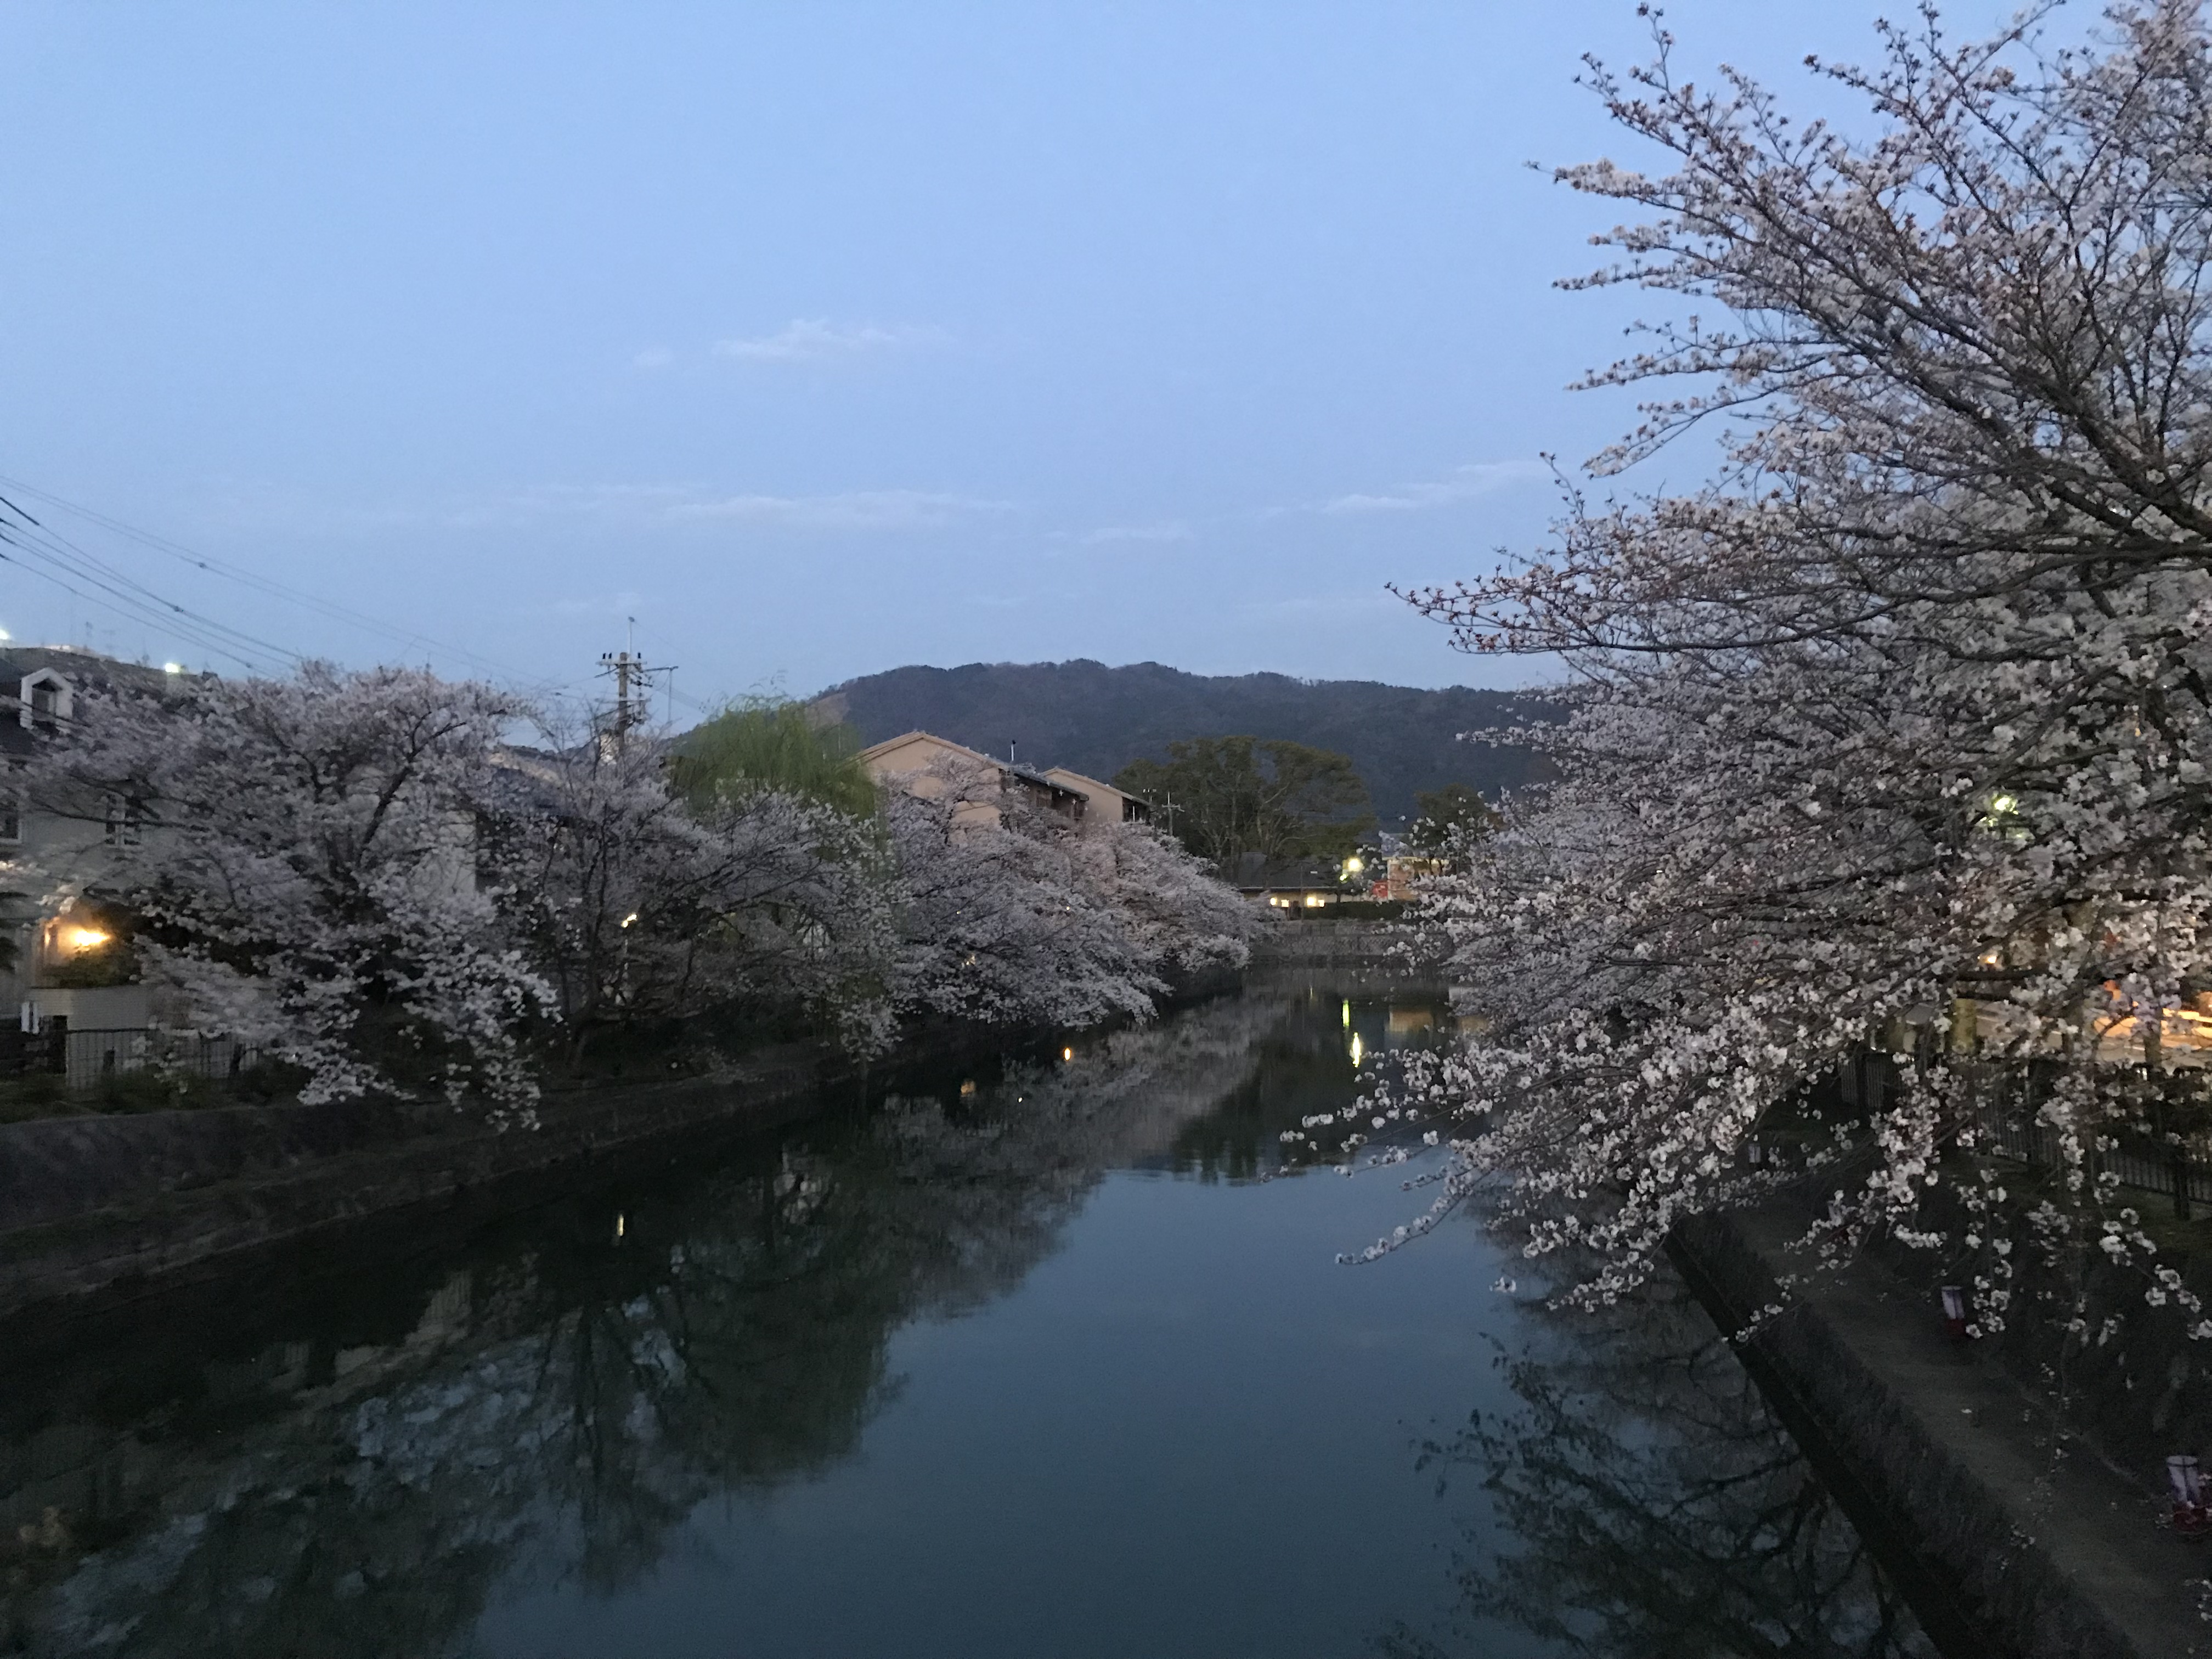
pixel 1977 1566
pixel 95 1207
pixel 1368 944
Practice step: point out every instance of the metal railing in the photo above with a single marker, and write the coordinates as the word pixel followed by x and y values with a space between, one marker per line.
pixel 2001 1115
pixel 2003 1118
pixel 87 1058
pixel 96 1055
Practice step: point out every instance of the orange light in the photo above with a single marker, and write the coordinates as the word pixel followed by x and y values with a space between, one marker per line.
pixel 1067 1053
pixel 83 939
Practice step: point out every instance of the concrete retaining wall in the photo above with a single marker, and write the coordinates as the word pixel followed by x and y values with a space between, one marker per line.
pixel 97 1207
pixel 1342 945
pixel 1977 1582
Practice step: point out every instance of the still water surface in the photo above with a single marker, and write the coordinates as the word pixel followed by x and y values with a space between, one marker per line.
pixel 1051 1360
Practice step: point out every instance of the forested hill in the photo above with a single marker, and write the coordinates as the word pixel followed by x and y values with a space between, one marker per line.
pixel 1096 719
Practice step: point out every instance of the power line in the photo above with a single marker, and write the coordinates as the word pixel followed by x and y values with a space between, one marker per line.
pixel 80 569
pixel 45 553
pixel 269 585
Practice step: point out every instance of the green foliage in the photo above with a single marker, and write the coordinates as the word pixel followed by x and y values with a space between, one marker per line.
pixel 768 742
pixel 34 1095
pixel 1231 798
pixel 1453 818
pixel 1347 910
pixel 13 912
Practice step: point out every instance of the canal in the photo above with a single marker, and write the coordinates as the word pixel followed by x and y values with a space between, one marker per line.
pixel 1049 1358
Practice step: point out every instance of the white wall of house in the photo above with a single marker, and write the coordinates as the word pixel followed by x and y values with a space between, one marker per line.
pixel 50 858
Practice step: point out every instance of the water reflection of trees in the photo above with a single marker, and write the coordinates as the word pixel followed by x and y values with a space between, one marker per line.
pixel 1656 1509
pixel 1302 1066
pixel 560 1400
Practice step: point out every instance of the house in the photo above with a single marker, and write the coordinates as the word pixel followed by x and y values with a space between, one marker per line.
pixel 1294 883
pixel 1403 871
pixel 917 762
pixel 69 968
pixel 1102 802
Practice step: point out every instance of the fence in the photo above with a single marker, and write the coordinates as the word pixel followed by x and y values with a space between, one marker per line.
pixel 86 1057
pixel 2001 1115
pixel 2004 1122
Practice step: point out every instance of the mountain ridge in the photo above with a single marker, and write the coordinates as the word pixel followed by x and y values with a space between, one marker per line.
pixel 1096 719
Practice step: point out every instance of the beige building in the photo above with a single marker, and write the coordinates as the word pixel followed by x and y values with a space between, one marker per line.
pixel 1102 802
pixel 928 766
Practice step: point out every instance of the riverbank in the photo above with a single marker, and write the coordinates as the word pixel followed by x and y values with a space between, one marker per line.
pixel 1389 947
pixel 97 1209
pixel 2009 1534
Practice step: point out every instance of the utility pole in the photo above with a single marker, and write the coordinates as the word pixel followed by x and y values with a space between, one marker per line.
pixel 633 678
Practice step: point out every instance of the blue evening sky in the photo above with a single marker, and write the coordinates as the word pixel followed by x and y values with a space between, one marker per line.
pixel 819 338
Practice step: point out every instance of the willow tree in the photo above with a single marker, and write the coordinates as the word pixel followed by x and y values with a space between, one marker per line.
pixel 773 744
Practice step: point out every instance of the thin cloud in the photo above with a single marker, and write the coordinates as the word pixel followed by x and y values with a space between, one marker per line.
pixel 1463 483
pixel 1174 530
pixel 859 509
pixel 625 498
pixel 815 339
pixel 632 505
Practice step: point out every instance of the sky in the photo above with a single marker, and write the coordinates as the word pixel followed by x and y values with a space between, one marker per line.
pixel 819 339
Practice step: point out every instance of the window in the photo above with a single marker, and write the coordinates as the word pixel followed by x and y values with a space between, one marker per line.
pixel 44 696
pixel 11 815
pixel 125 821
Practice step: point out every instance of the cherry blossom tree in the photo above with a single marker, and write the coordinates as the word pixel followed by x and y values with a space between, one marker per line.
pixel 641 905
pixel 999 924
pixel 1185 921
pixel 1015 914
pixel 303 856
pixel 1892 735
